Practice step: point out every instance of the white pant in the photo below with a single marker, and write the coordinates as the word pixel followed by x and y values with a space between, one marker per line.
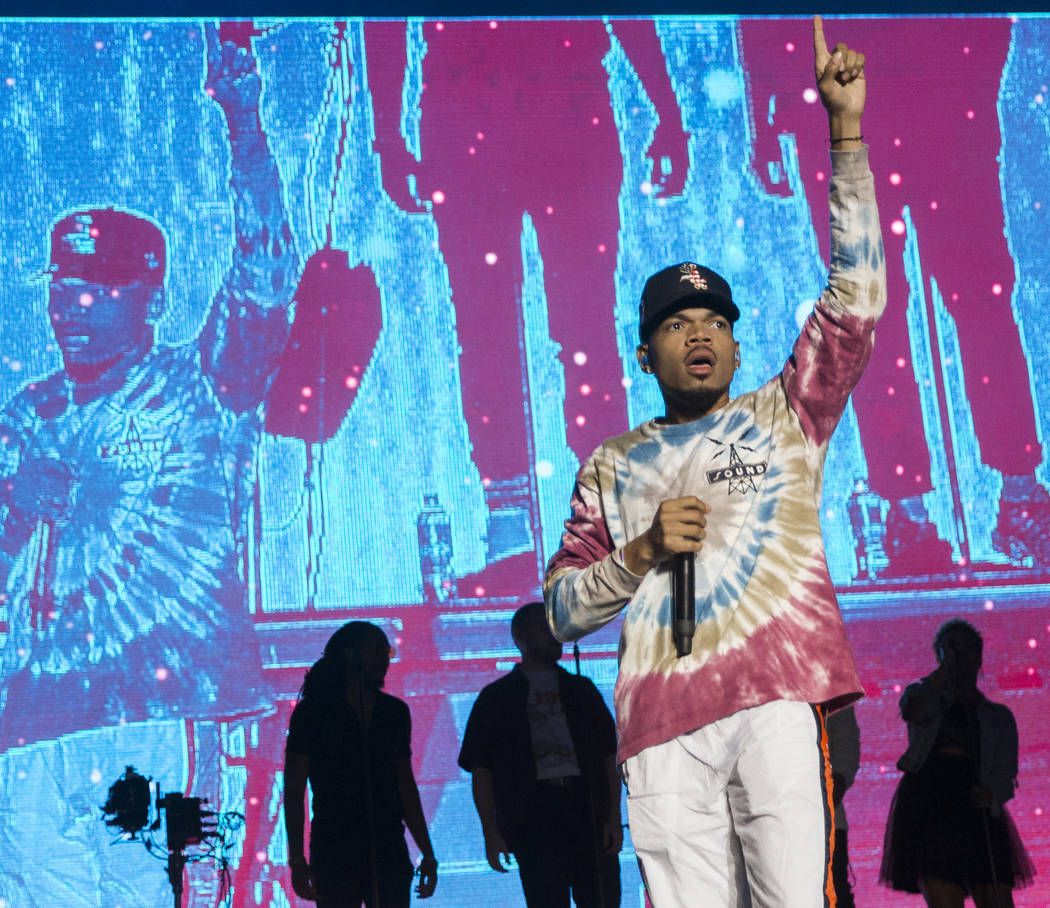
pixel 735 813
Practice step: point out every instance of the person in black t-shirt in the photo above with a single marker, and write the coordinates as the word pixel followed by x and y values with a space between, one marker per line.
pixel 353 743
pixel 540 744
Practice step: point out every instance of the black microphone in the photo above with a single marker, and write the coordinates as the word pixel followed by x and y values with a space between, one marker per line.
pixel 683 596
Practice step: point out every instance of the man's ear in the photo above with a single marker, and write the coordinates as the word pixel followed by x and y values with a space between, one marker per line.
pixel 736 355
pixel 155 306
pixel 642 352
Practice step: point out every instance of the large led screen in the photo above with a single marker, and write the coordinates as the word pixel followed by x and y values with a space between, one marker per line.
pixel 391 306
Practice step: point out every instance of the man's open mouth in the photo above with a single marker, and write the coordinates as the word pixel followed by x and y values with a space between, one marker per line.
pixel 701 361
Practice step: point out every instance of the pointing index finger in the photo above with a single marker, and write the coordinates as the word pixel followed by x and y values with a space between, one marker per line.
pixel 214 46
pixel 820 44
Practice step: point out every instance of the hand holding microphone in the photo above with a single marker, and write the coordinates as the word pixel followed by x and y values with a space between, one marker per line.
pixel 676 534
pixel 679 525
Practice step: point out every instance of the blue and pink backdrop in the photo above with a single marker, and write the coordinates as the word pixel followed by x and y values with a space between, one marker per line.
pixel 475 206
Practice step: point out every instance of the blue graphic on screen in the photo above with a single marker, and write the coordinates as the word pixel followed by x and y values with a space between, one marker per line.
pixel 1025 126
pixel 412 92
pixel 979 486
pixel 267 431
pixel 555 464
pixel 939 501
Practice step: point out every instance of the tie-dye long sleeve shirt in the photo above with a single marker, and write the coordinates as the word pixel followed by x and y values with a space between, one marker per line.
pixel 768 624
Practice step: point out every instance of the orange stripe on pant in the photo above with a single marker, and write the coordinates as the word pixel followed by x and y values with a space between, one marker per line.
pixel 830 899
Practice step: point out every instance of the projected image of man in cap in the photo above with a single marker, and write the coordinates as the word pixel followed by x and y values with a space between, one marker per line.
pixel 686 329
pixel 107 271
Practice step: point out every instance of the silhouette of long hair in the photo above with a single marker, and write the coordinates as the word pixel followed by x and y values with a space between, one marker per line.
pixel 326 680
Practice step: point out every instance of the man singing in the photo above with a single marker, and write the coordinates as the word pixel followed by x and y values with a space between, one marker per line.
pixel 721 749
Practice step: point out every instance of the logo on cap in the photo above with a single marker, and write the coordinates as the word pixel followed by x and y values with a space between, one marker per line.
pixel 82 240
pixel 108 246
pixel 691 273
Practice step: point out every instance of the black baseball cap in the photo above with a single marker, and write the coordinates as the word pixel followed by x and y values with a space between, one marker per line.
pixel 681 287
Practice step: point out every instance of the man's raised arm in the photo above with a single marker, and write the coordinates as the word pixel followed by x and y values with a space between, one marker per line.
pixel 836 341
pixel 248 325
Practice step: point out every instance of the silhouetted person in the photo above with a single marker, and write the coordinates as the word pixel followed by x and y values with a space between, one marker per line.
pixel 948 834
pixel 844 753
pixel 541 745
pixel 353 743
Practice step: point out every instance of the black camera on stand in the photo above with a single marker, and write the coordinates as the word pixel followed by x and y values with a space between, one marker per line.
pixel 131 801
pixel 187 823
pixel 128 803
